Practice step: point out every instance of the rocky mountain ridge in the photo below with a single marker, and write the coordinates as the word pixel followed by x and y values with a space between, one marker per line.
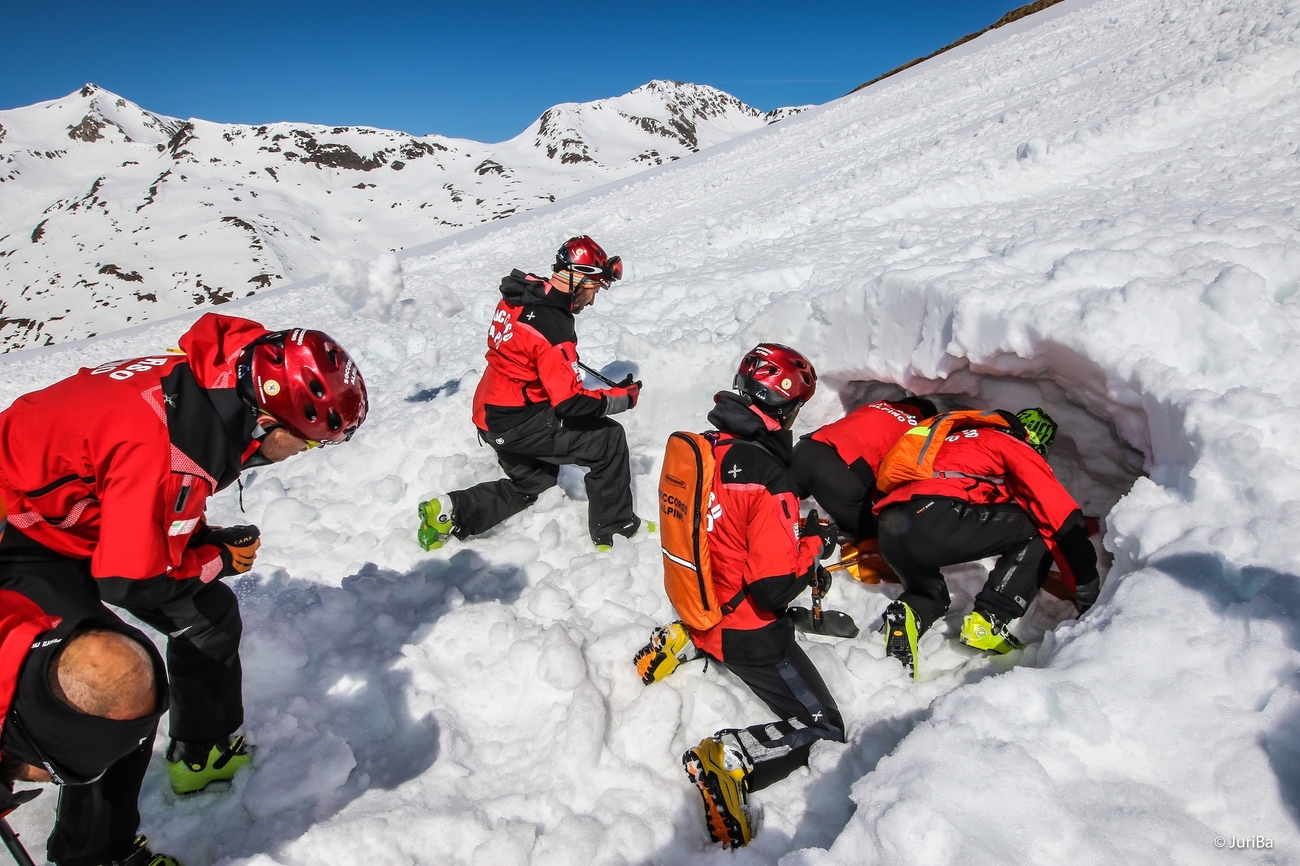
pixel 111 215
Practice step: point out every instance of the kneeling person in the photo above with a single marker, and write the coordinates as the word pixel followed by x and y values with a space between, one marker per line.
pixel 759 565
pixel 531 408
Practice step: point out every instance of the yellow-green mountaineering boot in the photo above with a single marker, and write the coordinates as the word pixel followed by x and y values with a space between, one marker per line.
pixel 193 766
pixel 901 634
pixel 435 522
pixel 984 631
pixel 141 856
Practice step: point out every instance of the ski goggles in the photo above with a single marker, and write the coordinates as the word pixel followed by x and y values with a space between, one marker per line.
pixel 612 271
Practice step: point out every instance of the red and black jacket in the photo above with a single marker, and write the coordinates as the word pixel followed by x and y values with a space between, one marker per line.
pixel 863 437
pixel 115 464
pixel 754 541
pixel 533 359
pixel 21 620
pixel 987 466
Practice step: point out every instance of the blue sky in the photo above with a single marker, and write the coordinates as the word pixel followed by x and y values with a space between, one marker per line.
pixel 471 70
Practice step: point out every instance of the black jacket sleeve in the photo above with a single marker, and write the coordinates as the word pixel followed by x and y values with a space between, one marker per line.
pixel 1072 540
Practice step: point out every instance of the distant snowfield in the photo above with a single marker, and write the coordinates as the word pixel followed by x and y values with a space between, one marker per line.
pixel 111 215
pixel 1093 210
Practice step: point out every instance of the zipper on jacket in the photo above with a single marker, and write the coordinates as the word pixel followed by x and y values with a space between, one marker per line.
pixel 187 484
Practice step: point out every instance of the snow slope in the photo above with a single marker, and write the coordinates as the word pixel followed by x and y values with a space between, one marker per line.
pixel 111 214
pixel 1093 210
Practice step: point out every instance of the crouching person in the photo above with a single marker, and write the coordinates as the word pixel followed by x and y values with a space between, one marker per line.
pixel 988 491
pixel 755 564
pixel 105 478
pixel 837 465
pixel 81 693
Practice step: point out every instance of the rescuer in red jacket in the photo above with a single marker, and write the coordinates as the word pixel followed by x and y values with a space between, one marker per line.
pixel 759 563
pixel 105 477
pixel 532 409
pixel 837 464
pixel 78 693
pixel 992 494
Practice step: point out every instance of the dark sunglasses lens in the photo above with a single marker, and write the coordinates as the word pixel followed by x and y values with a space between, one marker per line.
pixel 615 268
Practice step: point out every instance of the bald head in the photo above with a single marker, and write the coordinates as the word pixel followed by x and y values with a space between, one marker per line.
pixel 105 674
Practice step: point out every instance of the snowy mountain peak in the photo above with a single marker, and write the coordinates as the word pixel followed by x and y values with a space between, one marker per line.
pixel 678 117
pixel 88 115
pixel 112 215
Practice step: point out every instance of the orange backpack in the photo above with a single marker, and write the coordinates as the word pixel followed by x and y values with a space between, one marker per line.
pixel 912 457
pixel 685 503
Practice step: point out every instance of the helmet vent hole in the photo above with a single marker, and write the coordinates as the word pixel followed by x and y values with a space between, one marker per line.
pixel 310 412
pixel 335 422
pixel 318 389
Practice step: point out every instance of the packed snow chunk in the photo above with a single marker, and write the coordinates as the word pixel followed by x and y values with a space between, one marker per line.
pixel 449 303
pixel 1238 294
pixel 287 515
pixel 371 289
pixel 509 845
pixel 562 663
pixel 306 768
pixel 910 832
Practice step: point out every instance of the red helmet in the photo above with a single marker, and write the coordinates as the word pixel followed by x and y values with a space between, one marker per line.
pixel 306 382
pixel 583 255
pixel 776 377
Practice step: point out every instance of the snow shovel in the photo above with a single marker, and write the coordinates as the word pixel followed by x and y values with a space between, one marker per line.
pixel 834 623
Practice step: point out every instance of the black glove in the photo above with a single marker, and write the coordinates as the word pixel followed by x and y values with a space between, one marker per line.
pixel 1085 595
pixel 238 547
pixel 10 799
pixel 823 581
pixel 827 532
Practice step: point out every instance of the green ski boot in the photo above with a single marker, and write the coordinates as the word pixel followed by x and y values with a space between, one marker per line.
pixel 984 631
pixel 193 767
pixel 435 522
pixel 901 634
pixel 141 856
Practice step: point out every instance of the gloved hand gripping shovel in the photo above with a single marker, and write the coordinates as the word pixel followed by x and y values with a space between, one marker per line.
pixel 834 623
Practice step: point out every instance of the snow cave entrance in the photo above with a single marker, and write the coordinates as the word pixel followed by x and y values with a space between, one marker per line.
pixel 1090 458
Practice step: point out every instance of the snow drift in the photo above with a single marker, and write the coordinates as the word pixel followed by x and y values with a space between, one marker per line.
pixel 1093 210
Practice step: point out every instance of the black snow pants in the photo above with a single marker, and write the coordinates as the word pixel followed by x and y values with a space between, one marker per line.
pixel 794 690
pixel 919 536
pixel 842 491
pixel 531 454
pixel 98 822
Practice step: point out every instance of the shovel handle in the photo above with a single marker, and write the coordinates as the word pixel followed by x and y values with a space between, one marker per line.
pixel 16 849
pixel 610 382
pixel 844 563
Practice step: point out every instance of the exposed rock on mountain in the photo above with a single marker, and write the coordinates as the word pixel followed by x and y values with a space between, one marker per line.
pixel 111 215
